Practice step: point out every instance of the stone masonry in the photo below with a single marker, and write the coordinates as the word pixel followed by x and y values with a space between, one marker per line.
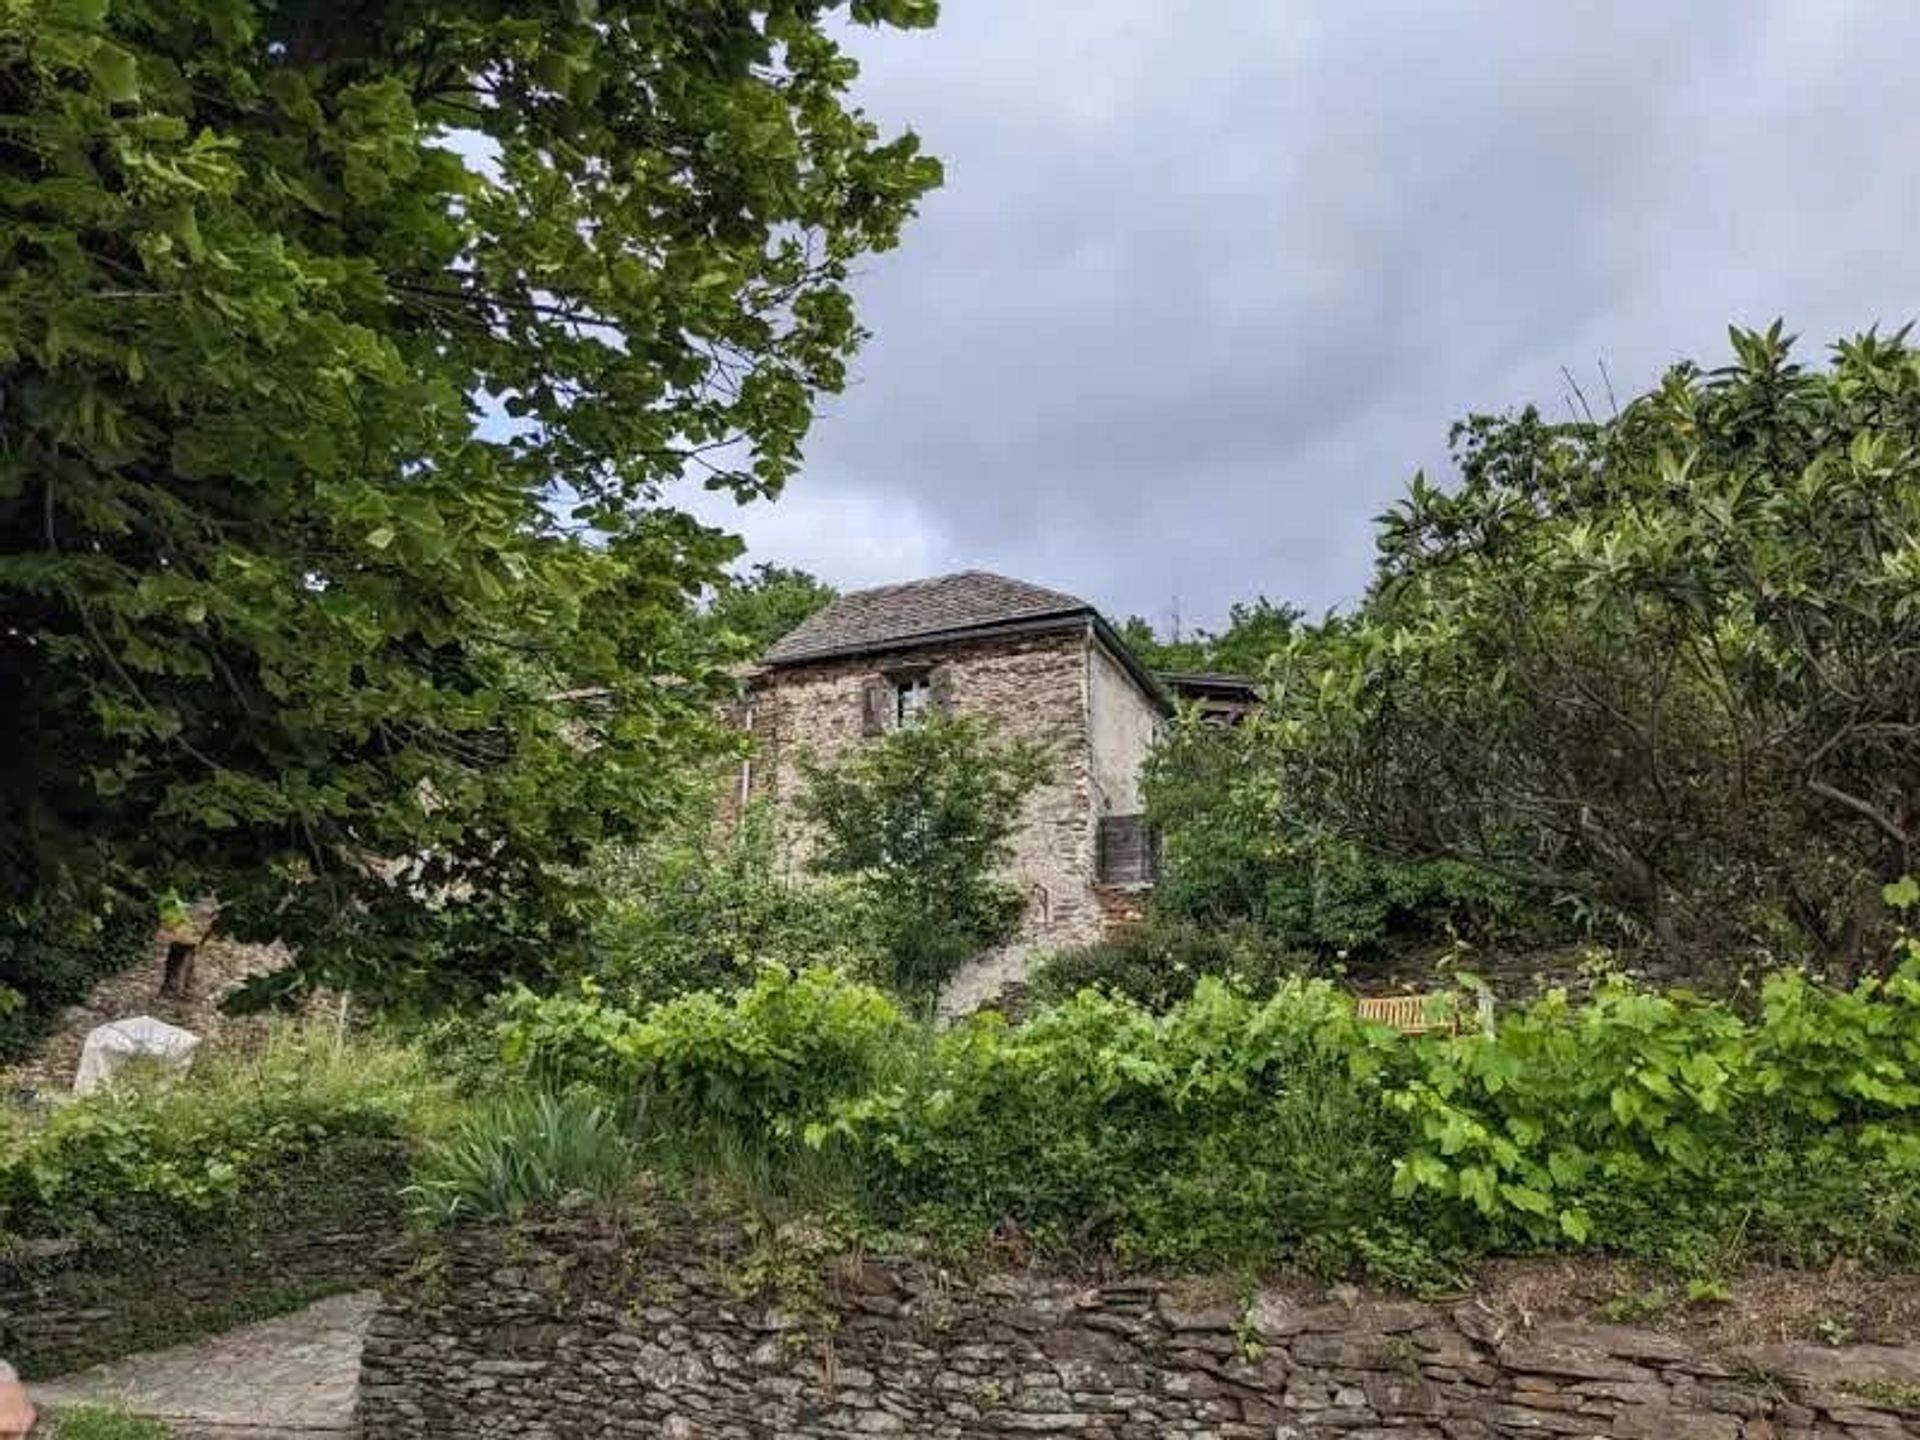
pixel 1031 687
pixel 570 1331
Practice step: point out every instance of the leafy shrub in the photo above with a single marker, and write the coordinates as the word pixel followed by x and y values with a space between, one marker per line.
pixel 167 1156
pixel 769 1059
pixel 1229 1131
pixel 1243 1131
pixel 1662 1124
pixel 523 1152
pixel 704 911
pixel 1658 665
pixel 1235 878
pixel 1157 964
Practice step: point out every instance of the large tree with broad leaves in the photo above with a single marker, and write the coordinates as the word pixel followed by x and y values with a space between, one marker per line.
pixel 348 349
pixel 1663 665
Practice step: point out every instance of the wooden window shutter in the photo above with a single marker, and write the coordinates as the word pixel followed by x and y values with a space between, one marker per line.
pixel 940 689
pixel 1125 852
pixel 876 707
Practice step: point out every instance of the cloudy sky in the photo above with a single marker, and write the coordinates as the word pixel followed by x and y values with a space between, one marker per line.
pixel 1208 282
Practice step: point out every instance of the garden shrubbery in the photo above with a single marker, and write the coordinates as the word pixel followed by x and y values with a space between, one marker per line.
pixel 1245 1132
pixel 173 1208
pixel 1252 902
pixel 1159 963
pixel 700 910
pixel 154 1156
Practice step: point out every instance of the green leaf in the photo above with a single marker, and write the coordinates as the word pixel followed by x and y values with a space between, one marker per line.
pixel 1525 1197
pixel 115 73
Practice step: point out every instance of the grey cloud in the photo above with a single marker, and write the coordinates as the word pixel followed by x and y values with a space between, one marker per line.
pixel 1207 283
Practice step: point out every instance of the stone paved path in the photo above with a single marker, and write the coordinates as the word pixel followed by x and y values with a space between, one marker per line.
pixel 293 1376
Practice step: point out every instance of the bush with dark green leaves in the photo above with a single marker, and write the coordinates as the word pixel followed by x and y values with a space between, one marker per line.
pixel 54 957
pixel 1658 666
pixel 1159 963
pixel 175 1208
pixel 1249 892
pixel 273 572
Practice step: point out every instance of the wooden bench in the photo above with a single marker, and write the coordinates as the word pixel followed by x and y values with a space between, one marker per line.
pixel 1437 1014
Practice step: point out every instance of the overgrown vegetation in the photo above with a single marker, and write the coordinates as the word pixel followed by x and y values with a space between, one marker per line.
pixel 175 1209
pixel 1658 668
pixel 702 908
pixel 1250 901
pixel 1644 681
pixel 892 869
pixel 1234 1131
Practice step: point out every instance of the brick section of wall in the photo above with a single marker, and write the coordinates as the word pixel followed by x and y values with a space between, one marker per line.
pixel 1122 907
pixel 567 1332
pixel 1029 687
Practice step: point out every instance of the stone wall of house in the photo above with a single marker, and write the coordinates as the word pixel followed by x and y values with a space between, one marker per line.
pixel 571 1332
pixel 1031 687
pixel 1123 725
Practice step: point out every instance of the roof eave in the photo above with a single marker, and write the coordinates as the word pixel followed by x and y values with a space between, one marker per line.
pixel 1149 684
pixel 1208 680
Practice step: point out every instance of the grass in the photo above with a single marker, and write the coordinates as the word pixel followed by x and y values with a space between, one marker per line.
pixel 523 1152
pixel 94 1422
pixel 333 1071
pixel 1886 1394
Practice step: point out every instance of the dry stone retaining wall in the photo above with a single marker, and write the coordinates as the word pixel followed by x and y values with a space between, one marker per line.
pixel 572 1332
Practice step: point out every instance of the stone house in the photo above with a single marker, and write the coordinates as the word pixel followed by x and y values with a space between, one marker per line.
pixel 1037 664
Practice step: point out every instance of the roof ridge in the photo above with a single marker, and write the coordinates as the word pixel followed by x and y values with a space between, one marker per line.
pixel 926 581
pixel 907 611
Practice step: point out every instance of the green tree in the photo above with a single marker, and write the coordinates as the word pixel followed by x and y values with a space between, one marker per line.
pixel 1661 665
pixel 1256 629
pixel 346 353
pixel 924 818
pixel 766 603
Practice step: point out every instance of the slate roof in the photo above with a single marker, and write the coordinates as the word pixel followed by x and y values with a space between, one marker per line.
pixel 920 611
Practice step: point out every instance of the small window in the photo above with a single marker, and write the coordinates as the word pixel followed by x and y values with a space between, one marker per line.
pixel 911 697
